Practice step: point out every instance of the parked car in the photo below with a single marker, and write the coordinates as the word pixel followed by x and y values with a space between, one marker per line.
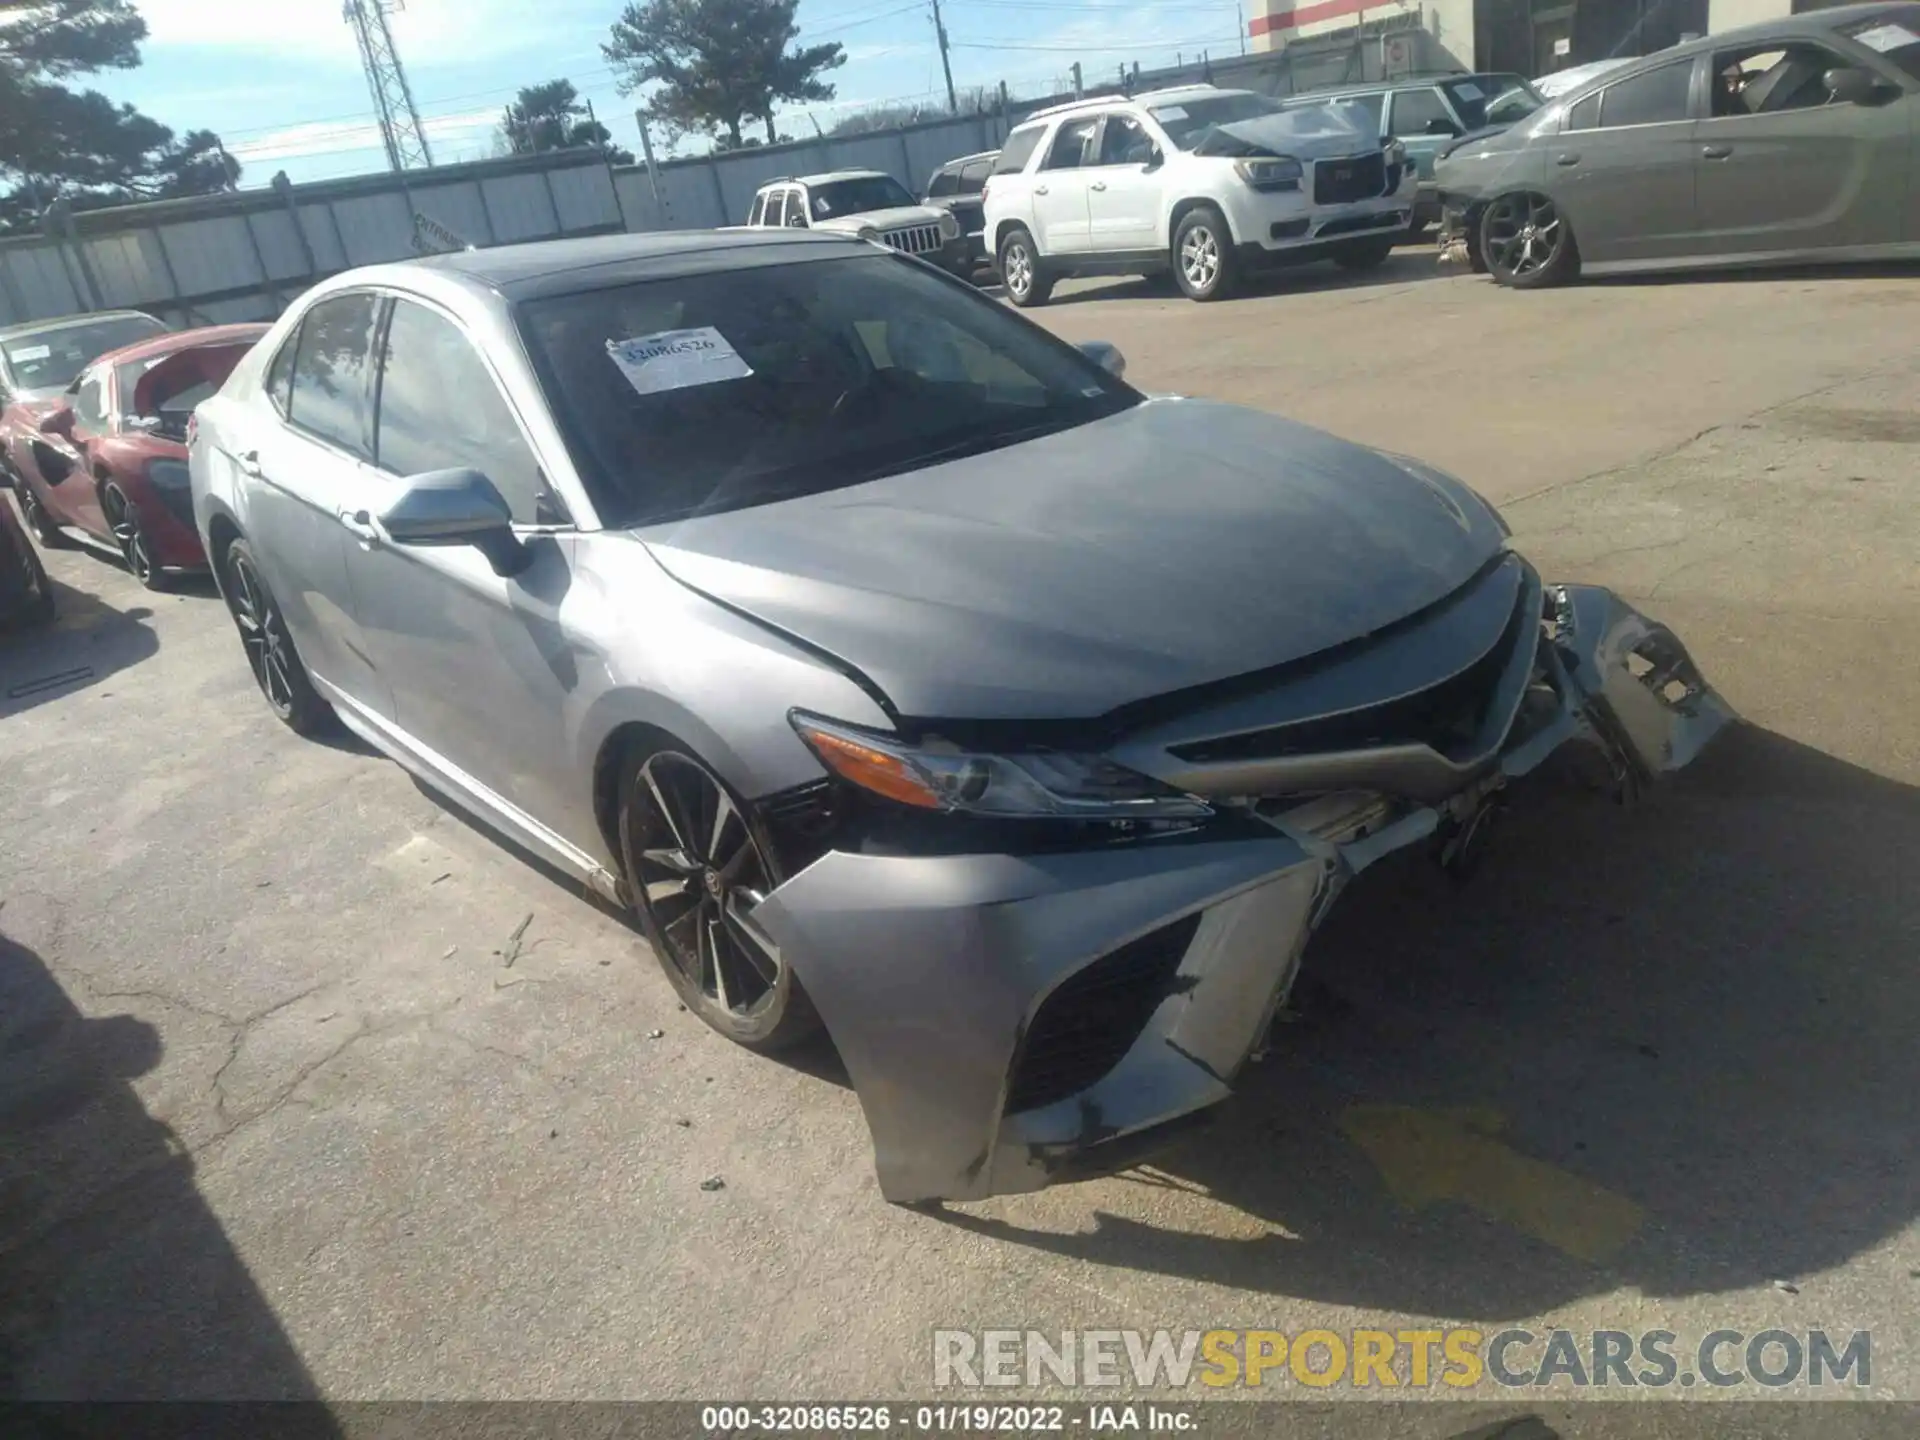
pixel 1427 116
pixel 843 623
pixel 1561 82
pixel 1777 143
pixel 1207 183
pixel 956 187
pixel 109 456
pixel 26 597
pixel 866 204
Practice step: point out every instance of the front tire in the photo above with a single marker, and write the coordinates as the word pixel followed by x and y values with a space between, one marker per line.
pixel 1527 243
pixel 1021 272
pixel 45 528
pixel 1358 255
pixel 1204 264
pixel 698 866
pixel 276 665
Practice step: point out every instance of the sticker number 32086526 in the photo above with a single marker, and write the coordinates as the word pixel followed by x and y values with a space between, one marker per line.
pixel 675 359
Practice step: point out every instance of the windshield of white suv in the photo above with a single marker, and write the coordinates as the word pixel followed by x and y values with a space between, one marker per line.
pixel 856 197
pixel 729 388
pixel 52 359
pixel 1188 121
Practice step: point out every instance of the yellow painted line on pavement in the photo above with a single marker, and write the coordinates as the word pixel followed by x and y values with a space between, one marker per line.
pixel 1429 1156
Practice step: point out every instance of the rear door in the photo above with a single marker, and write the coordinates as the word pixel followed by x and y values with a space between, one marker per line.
pixel 1622 169
pixel 1061 224
pixel 1123 188
pixel 1783 166
pixel 305 458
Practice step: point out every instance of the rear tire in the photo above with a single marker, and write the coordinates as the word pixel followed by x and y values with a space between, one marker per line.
pixel 45 528
pixel 276 665
pixel 1204 264
pixel 1358 255
pixel 698 864
pixel 123 518
pixel 1026 279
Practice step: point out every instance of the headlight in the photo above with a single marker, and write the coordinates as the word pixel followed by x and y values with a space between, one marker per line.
pixel 1035 785
pixel 949 227
pixel 869 234
pixel 1282 172
pixel 169 474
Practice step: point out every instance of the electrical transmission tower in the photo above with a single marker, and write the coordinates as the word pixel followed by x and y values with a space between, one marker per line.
pixel 400 127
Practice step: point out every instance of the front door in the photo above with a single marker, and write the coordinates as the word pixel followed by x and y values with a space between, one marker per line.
pixel 1060 189
pixel 304 461
pixel 1123 189
pixel 1623 167
pixel 67 464
pixel 1783 167
pixel 478 666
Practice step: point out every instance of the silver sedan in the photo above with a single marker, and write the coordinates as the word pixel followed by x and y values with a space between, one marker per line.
pixel 906 671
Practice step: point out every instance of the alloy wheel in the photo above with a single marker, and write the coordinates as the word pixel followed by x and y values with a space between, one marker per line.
pixel 38 520
pixel 1017 268
pixel 126 534
pixel 1200 258
pixel 700 875
pixel 1524 234
pixel 263 633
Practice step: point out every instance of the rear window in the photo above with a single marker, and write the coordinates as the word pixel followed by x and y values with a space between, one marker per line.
pixel 707 392
pixel 1895 36
pixel 1019 149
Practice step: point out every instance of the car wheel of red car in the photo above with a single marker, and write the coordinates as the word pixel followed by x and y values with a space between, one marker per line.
pixel 45 528
pixel 123 518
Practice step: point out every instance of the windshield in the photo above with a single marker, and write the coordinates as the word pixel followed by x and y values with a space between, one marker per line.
pixel 714 391
pixel 855 197
pixel 1894 34
pixel 1188 121
pixel 1483 100
pixel 53 359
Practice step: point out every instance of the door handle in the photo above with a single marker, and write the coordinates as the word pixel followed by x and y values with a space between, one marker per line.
pixel 1573 159
pixel 250 464
pixel 1098 185
pixel 360 525
pixel 1715 152
pixel 1039 189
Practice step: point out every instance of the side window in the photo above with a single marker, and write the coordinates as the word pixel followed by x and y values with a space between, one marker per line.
pixel 796 209
pixel 1123 141
pixel 1071 144
pixel 330 372
pixel 945 182
pixel 90 404
pixel 1416 111
pixel 759 208
pixel 775 212
pixel 280 374
pixel 1766 79
pixel 1585 115
pixel 973 176
pixel 440 410
pixel 1372 105
pixel 1018 150
pixel 1653 98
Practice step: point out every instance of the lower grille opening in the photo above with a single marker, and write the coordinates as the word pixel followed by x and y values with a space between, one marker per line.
pixel 1091 1020
pixel 1287 229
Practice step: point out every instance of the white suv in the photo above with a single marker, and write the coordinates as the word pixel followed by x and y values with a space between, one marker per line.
pixel 1206 182
pixel 867 203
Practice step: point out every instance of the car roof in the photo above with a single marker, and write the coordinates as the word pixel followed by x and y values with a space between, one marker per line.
pixel 1173 94
pixel 177 340
pixel 969 159
pixel 66 322
pixel 829 176
pixel 555 267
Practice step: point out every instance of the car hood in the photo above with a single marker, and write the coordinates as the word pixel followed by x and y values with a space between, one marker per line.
pixel 882 219
pixel 1168 546
pixel 1309 132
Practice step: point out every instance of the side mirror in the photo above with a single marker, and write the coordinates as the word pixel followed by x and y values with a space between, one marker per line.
pixel 456 507
pixel 1440 125
pixel 1107 356
pixel 57 421
pixel 1850 86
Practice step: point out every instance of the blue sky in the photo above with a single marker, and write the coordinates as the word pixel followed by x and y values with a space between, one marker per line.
pixel 280 80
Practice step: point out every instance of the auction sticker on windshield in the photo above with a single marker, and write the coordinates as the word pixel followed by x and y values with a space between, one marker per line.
pixel 675 359
pixel 1884 38
pixel 26 354
pixel 1466 90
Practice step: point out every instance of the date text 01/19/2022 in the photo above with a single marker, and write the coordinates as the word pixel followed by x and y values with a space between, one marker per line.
pixel 944 1419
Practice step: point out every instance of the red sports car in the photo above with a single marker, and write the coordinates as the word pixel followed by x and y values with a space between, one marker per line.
pixel 109 456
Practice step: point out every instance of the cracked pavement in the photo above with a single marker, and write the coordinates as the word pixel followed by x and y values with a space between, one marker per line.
pixel 277 1117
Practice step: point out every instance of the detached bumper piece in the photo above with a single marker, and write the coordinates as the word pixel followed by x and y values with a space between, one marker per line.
pixel 1012 1021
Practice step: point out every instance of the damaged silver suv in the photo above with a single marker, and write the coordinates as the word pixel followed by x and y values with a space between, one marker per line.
pixel 906 672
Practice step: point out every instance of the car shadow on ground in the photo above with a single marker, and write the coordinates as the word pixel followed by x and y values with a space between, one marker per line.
pixel 1406 265
pixel 88 642
pixel 1669 1047
pixel 1881 270
pixel 117 1282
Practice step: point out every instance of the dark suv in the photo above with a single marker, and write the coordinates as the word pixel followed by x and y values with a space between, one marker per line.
pixel 956 187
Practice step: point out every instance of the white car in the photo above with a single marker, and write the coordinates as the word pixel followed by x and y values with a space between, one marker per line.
pixel 864 203
pixel 1209 183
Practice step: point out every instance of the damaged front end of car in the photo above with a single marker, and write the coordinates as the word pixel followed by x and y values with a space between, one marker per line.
pixel 1013 1017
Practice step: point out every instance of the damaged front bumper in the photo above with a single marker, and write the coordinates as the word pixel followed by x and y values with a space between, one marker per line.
pixel 1009 1021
